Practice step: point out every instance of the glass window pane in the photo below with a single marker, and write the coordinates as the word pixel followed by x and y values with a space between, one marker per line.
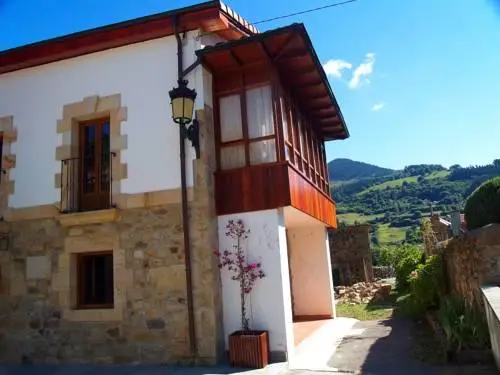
pixel 284 119
pixel 301 138
pixel 105 157
pixel 230 118
pixel 232 157
pixel 259 112
pixel 89 172
pixel 263 152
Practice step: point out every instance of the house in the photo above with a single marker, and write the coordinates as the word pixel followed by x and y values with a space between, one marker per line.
pixel 111 211
pixel 443 227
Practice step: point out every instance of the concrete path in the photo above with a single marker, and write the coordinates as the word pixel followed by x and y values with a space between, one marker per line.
pixel 384 347
pixel 87 369
pixel 379 347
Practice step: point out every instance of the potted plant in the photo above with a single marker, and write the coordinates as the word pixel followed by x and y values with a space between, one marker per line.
pixel 247 347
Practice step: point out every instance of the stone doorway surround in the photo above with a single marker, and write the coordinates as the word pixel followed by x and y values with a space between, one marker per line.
pixel 93 107
pixel 9 136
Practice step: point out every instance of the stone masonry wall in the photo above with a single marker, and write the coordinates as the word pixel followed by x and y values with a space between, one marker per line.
pixel 351 254
pixel 152 324
pixel 149 321
pixel 473 260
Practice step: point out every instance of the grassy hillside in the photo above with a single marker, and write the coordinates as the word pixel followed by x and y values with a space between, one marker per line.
pixel 390 184
pixel 395 203
pixel 346 169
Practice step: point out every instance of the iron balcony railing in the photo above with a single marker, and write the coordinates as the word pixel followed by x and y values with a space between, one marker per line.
pixel 87 183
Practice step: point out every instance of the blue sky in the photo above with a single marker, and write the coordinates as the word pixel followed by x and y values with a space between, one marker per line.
pixel 418 81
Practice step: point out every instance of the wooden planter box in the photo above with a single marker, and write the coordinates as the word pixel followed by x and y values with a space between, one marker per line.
pixel 249 349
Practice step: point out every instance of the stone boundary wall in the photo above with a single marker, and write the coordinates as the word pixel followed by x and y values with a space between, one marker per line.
pixel 491 301
pixel 473 260
pixel 351 254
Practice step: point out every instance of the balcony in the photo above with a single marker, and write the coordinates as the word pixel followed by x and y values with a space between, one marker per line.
pixel 87 190
pixel 280 185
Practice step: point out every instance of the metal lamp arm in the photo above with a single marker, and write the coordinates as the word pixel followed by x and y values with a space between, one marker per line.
pixel 193 134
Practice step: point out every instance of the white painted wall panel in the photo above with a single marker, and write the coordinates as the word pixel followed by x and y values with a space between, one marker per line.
pixel 270 305
pixel 142 73
pixel 311 271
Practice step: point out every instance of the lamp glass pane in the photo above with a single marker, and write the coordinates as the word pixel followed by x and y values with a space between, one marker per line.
pixel 188 109
pixel 177 108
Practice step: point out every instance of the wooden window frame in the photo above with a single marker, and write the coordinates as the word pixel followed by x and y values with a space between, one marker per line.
pixel 309 160
pixel 80 305
pixel 2 170
pixel 246 140
pixel 100 201
pixel 311 163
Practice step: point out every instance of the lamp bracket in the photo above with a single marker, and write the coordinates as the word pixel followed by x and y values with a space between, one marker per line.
pixel 193 134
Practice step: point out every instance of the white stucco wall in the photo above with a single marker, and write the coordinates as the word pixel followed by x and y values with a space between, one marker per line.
pixel 310 267
pixel 142 73
pixel 269 303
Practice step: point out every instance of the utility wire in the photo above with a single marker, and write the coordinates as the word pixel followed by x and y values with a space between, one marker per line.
pixel 305 11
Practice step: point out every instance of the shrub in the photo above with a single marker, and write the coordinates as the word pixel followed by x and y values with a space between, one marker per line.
pixel 427 283
pixel 464 327
pixel 407 306
pixel 407 258
pixel 483 205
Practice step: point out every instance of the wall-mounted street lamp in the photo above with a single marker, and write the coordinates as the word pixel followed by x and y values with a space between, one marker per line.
pixel 182 100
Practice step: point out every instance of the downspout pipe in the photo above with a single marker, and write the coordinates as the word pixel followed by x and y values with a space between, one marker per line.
pixel 185 210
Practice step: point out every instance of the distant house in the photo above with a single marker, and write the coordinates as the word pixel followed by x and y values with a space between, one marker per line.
pixel 443 227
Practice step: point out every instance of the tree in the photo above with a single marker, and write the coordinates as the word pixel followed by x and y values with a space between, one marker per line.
pixel 483 206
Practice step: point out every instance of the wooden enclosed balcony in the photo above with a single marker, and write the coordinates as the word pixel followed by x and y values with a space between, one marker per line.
pixel 266 186
pixel 274 109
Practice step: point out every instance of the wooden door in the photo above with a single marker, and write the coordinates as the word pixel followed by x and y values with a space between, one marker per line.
pixel 95 166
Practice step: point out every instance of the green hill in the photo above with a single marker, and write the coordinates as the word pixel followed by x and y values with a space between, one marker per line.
pixel 347 169
pixel 396 201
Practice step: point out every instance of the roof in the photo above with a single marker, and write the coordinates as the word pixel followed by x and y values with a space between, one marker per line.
pixel 290 50
pixel 210 16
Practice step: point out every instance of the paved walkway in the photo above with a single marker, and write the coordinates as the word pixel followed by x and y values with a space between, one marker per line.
pixel 85 369
pixel 380 347
pixel 383 347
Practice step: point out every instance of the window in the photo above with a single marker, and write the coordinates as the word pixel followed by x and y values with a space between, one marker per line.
pixel 230 118
pixel 260 125
pixel 95 280
pixel 257 112
pixel 94 165
pixel 233 154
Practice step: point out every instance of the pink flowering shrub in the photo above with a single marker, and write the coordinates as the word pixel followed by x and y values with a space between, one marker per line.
pixel 236 262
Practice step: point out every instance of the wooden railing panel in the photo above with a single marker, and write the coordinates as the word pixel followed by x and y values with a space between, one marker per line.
pixel 254 188
pixel 309 199
pixel 269 186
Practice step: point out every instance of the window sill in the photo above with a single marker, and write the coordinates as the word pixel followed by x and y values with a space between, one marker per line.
pixel 88 218
pixel 93 315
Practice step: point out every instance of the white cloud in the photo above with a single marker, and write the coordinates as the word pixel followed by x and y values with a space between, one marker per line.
pixel 378 107
pixel 362 72
pixel 334 67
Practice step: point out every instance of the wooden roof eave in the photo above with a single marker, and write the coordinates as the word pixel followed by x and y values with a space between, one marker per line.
pixel 316 91
pixel 208 16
